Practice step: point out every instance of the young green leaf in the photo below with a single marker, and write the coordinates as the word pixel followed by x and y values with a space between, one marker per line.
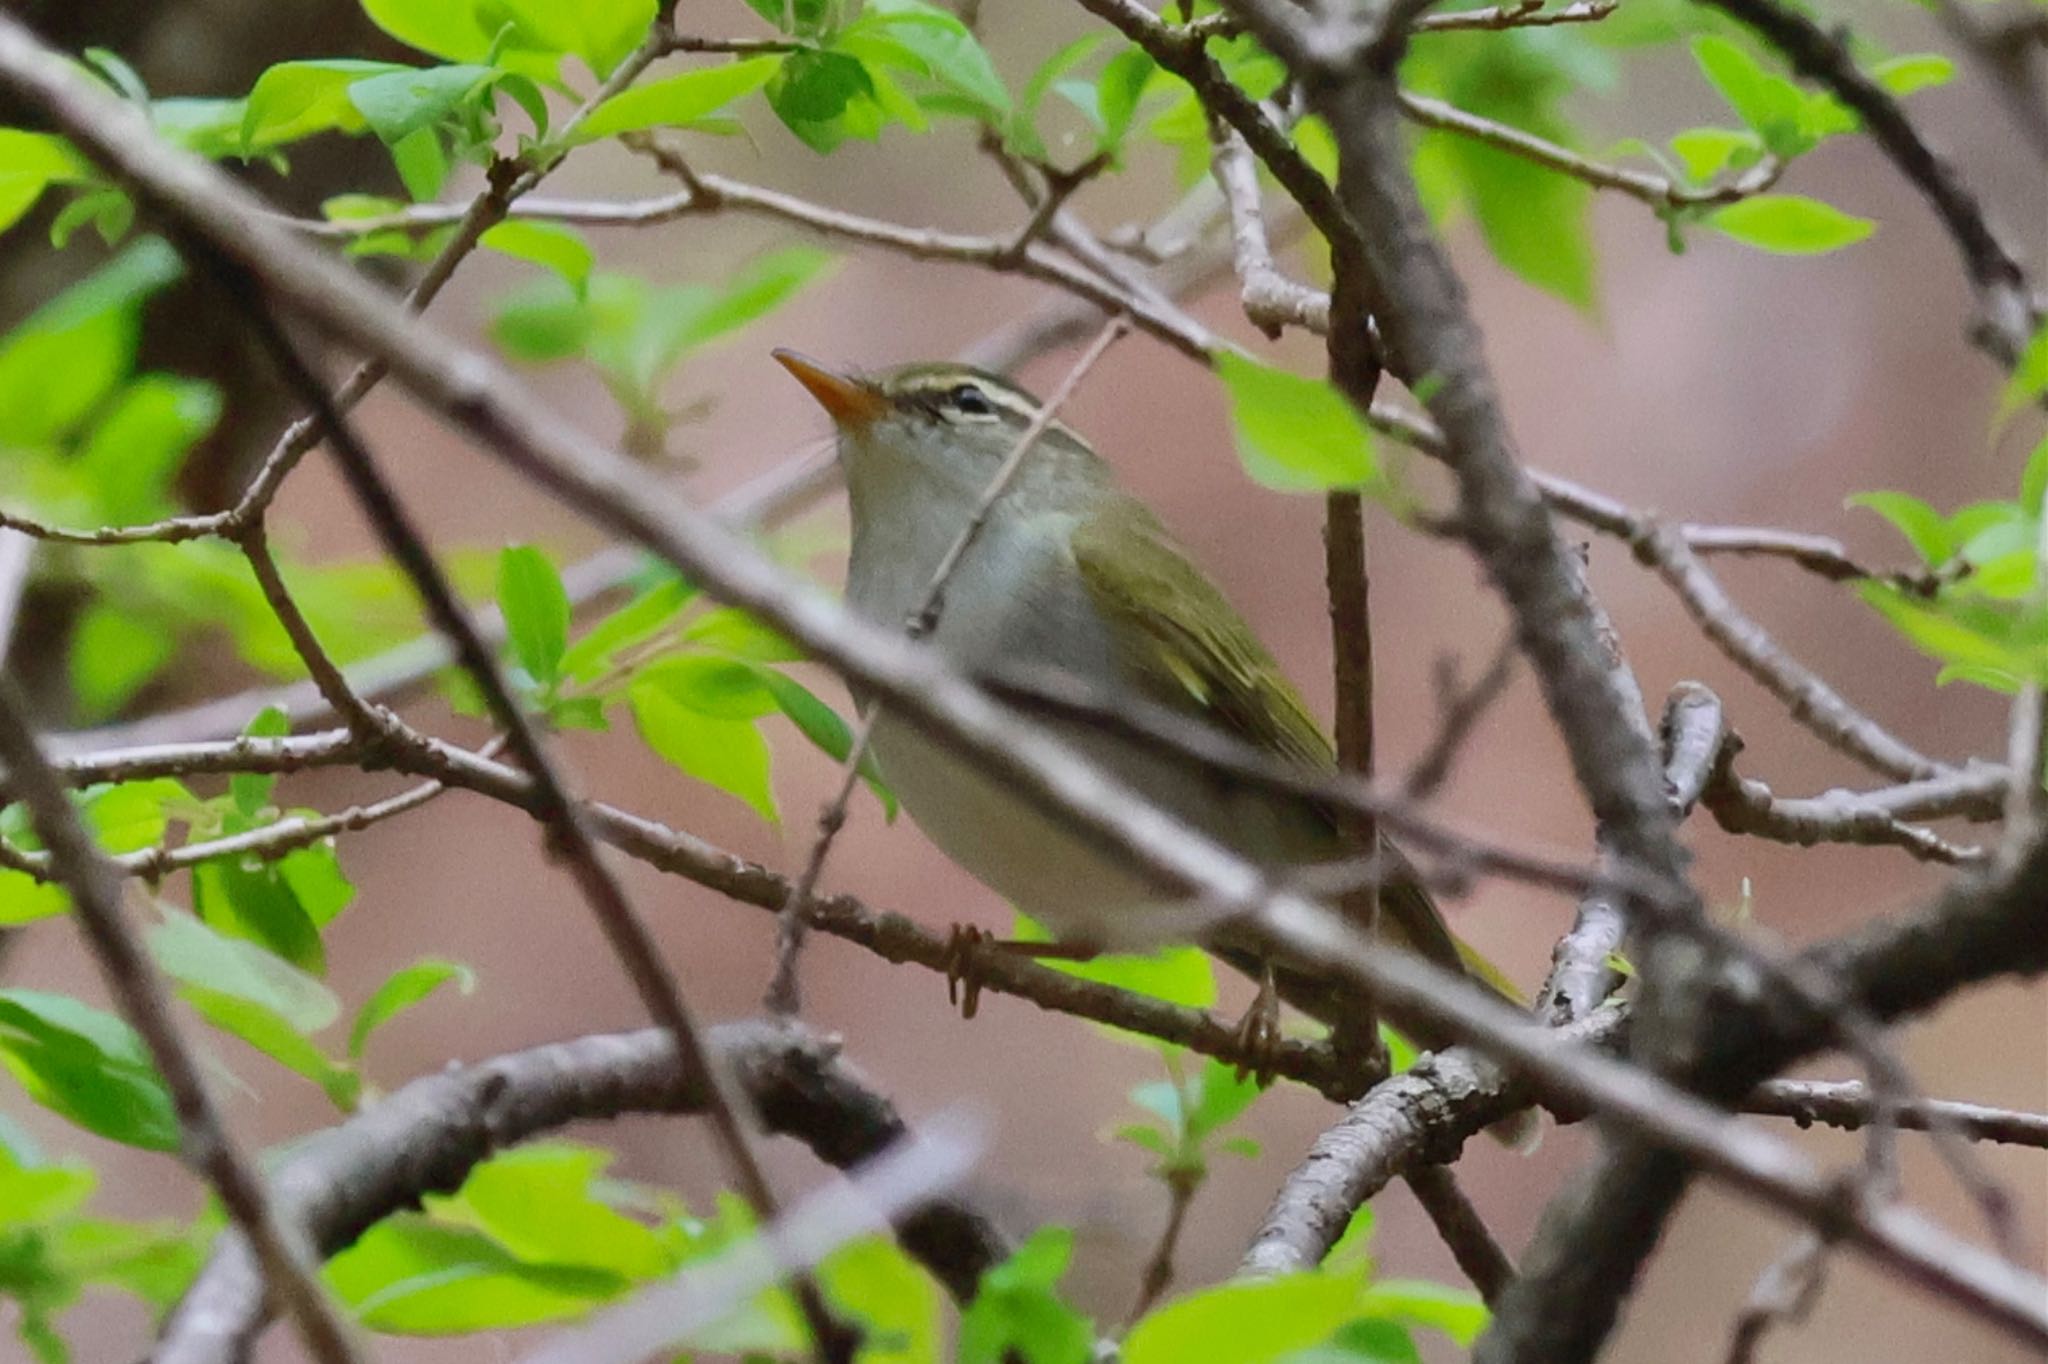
pixel 1913 72
pixel 409 1275
pixel 1926 529
pixel 1457 1312
pixel 113 654
pixel 193 954
pixel 548 245
pixel 1295 434
pixel 56 367
pixel 820 724
pixel 1790 224
pixel 86 1065
pixel 298 99
pixel 1017 1309
pixel 29 164
pixel 653 610
pixel 677 101
pixel 1178 975
pixel 890 1296
pixel 537 1202
pixel 448 29
pixel 1245 1323
pixel 251 791
pixel 536 609
pixel 400 103
pixel 401 990
pixel 1770 104
pixel 270 1033
pixel 728 754
pixel 249 899
pixel 2028 382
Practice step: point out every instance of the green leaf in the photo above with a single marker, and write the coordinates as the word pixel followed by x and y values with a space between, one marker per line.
pixel 536 608
pixel 1122 84
pixel 1925 528
pixel 548 245
pixel 944 48
pixel 270 1033
pixel 1295 434
pixel 57 366
pixel 728 754
pixel 710 684
pixel 1367 1341
pixel 825 98
pixel 1706 152
pixel 422 165
pixel 1770 104
pixel 29 164
pixel 1954 634
pixel 1534 220
pixel 1223 1096
pixel 250 899
pixel 733 631
pixel 191 953
pixel 298 99
pixel 889 1296
pixel 447 29
pixel 677 101
pixel 2034 478
pixel 1017 1308
pixel 1023 136
pixel 113 654
pixel 86 1065
pixel 1457 1312
pixel 133 453
pixel 1790 224
pixel 820 724
pixel 1913 72
pixel 400 103
pixel 653 610
pixel 1178 975
pixel 537 1203
pixel 2028 382
pixel 411 1276
pixel 401 990
pixel 1244 1323
pixel 251 791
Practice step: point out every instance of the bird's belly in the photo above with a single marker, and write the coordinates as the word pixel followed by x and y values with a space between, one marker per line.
pixel 1067 882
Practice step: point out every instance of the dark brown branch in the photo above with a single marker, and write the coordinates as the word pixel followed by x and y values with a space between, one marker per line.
pixel 204 1141
pixel 425 1137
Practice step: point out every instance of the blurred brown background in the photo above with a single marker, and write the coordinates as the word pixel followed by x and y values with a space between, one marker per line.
pixel 1724 385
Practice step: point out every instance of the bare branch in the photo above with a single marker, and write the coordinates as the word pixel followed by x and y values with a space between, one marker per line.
pixel 425 1137
pixel 1458 1222
pixel 1812 702
pixel 1851 1104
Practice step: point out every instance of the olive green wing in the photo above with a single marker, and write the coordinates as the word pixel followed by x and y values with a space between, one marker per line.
pixel 1187 648
pixel 1183 644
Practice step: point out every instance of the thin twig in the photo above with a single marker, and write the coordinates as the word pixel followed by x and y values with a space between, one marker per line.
pixel 1459 709
pixel 1744 805
pixel 1460 1226
pixel 1851 1104
pixel 1659 192
pixel 783 995
pixel 204 1141
pixel 1811 701
pixel 1157 1275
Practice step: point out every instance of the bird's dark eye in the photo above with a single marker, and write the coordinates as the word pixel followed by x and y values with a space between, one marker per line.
pixel 970 401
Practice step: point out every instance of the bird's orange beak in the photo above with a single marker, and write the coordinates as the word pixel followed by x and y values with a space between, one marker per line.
pixel 849 401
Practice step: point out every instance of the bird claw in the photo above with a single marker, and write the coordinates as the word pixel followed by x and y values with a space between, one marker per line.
pixel 1258 1036
pixel 964 946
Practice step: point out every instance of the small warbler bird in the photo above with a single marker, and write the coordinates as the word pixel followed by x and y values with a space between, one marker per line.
pixel 1071 574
